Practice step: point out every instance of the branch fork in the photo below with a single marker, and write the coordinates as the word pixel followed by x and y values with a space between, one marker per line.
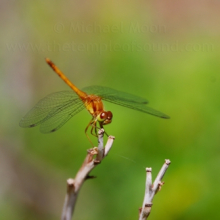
pixel 93 158
pixel 152 189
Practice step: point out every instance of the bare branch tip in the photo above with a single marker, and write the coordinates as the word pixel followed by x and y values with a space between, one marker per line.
pixel 148 169
pixel 93 151
pixel 167 161
pixel 70 182
pixel 111 137
pixel 70 185
pixel 101 131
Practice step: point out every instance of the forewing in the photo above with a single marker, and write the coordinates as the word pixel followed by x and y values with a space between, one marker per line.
pixel 57 117
pixel 123 99
pixel 113 95
pixel 59 103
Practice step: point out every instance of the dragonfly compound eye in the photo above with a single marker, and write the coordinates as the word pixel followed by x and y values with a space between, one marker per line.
pixel 109 115
pixel 103 115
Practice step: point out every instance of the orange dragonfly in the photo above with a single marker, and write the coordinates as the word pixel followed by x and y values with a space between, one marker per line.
pixel 53 111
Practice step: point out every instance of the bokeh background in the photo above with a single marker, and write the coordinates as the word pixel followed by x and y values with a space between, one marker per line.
pixel 165 51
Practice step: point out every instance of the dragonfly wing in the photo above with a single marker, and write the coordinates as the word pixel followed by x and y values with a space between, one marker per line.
pixel 57 117
pixel 145 109
pixel 59 103
pixel 124 99
pixel 113 95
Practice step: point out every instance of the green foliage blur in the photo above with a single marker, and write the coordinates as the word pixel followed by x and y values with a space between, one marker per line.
pixel 167 52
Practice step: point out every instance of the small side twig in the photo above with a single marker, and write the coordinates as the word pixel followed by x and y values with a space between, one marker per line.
pixel 74 185
pixel 151 190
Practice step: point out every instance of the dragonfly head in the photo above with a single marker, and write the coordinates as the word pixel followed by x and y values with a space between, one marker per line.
pixel 105 117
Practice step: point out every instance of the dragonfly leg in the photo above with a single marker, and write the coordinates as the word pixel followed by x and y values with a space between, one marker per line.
pixel 93 123
pixel 96 130
pixel 94 127
pixel 90 123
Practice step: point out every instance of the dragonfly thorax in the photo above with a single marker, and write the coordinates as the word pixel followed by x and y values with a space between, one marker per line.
pixel 94 105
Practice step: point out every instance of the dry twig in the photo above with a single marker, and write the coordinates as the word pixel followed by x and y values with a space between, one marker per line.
pixel 151 190
pixel 93 158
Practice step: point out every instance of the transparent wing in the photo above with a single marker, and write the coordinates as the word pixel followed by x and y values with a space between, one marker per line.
pixel 59 116
pixel 115 96
pixel 53 111
pixel 123 99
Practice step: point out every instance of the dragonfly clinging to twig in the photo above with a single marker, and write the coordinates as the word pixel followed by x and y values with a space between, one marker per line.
pixel 53 111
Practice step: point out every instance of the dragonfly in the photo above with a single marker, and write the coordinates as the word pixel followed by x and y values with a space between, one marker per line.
pixel 53 111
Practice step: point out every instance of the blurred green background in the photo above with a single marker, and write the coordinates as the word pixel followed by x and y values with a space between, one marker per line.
pixel 165 51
